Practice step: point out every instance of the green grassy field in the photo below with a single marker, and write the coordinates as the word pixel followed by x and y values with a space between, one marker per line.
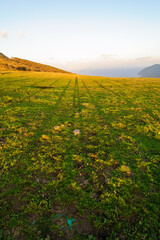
pixel 79 157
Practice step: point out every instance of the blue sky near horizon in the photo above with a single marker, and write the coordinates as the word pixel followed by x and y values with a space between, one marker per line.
pixel 81 35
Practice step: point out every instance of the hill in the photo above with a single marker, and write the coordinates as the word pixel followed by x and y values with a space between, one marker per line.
pixel 2 56
pixel 18 64
pixel 152 71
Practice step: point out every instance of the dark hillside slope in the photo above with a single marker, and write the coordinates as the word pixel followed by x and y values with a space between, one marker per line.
pixel 151 72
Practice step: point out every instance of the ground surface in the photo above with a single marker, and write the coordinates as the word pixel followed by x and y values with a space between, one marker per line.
pixel 79 157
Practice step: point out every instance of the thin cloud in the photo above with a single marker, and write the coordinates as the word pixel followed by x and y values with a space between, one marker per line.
pixel 21 34
pixel 3 34
pixel 147 58
pixel 51 58
pixel 146 61
pixel 109 63
pixel 107 56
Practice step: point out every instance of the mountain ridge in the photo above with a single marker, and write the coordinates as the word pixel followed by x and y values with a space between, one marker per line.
pixel 151 71
pixel 18 64
pixel 3 56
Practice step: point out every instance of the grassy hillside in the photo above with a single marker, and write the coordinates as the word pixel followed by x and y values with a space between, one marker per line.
pixel 18 64
pixel 79 157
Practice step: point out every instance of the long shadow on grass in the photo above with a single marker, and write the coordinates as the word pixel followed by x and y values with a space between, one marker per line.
pixel 42 88
pixel 51 112
pixel 26 98
pixel 129 101
pixel 97 106
pixel 24 86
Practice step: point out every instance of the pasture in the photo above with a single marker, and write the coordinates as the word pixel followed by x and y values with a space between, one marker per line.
pixel 79 157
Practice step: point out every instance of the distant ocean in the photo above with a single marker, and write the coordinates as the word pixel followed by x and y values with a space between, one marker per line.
pixel 116 72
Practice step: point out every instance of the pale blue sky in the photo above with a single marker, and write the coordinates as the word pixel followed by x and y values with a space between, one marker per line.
pixel 85 34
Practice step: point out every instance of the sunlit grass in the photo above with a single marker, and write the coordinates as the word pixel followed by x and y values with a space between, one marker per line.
pixel 79 157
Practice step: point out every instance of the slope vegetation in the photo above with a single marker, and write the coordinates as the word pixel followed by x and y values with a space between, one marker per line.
pixel 18 64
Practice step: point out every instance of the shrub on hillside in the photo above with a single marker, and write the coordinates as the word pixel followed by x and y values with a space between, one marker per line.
pixel 21 68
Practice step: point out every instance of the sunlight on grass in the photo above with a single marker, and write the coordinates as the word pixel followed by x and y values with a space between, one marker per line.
pixel 85 150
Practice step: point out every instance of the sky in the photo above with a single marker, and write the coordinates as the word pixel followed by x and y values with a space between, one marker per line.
pixel 100 37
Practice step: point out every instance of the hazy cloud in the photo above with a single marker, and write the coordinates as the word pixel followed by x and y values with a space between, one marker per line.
pixel 147 58
pixel 51 58
pixel 108 62
pixel 3 34
pixel 107 56
pixel 21 34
